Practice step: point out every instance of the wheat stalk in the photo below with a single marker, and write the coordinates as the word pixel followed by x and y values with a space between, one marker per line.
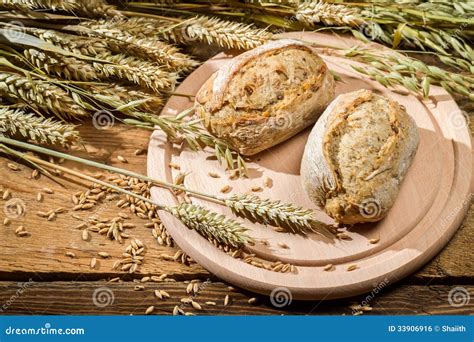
pixel 213 226
pixel 178 130
pixel 120 67
pixel 39 4
pixel 41 94
pixel 37 129
pixel 97 9
pixel 76 44
pixel 294 219
pixel 138 71
pixel 390 25
pixel 442 42
pixel 398 69
pixel 288 216
pixel 122 94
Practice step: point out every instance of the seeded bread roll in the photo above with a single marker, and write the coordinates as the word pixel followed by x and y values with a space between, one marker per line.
pixel 265 96
pixel 357 155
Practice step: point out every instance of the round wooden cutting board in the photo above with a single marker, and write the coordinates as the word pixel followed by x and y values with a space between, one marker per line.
pixel 433 199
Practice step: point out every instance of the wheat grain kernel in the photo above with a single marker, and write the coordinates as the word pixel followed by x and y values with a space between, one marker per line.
pixel 13 167
pixel 351 267
pixel 225 189
pixel 226 300
pixel 48 190
pixel 158 294
pixel 70 254
pixel 374 241
pixel 165 294
pixel 6 194
pixel 138 151
pixel 85 235
pixel 196 305
pixel 103 255
pixel 149 310
pixel 267 182
pixel 213 175
pixel 139 288
pixel 93 263
pixel 174 166
pixel 6 221
pixel 122 159
pixel 19 229
pixel 328 267
pixel 175 310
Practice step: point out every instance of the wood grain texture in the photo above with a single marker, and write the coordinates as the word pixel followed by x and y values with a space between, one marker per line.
pixel 120 299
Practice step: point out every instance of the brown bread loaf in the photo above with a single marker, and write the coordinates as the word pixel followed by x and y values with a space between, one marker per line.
pixel 265 96
pixel 357 155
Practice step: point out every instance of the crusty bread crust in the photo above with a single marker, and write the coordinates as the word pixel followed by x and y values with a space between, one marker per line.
pixel 357 156
pixel 265 96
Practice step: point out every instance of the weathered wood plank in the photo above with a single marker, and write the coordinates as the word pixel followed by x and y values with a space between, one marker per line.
pixel 120 298
pixel 42 254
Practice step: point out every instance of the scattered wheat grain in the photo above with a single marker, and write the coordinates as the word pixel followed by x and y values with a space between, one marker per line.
pixel 149 310
pixel 352 267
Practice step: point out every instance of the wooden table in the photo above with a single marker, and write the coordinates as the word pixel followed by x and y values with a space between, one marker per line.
pixel 36 276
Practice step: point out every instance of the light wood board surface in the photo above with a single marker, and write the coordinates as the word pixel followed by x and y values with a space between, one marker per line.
pixel 430 206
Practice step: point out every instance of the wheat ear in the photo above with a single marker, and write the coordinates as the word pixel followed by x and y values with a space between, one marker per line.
pixel 119 95
pixel 39 4
pixel 121 67
pixel 97 9
pixel 67 67
pixel 41 94
pixel 288 216
pixel 37 129
pixel 315 12
pixel 213 226
pixel 219 32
